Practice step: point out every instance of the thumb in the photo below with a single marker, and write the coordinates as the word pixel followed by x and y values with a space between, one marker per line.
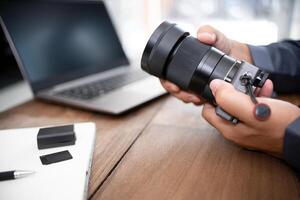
pixel 212 36
pixel 232 101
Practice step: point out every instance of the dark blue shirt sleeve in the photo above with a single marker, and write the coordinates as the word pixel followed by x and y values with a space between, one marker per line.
pixel 291 146
pixel 282 60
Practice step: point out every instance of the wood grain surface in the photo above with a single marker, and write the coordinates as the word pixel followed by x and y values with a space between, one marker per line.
pixel 180 156
pixel 166 150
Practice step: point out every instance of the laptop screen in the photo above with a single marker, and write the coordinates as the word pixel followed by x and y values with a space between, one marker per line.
pixel 58 41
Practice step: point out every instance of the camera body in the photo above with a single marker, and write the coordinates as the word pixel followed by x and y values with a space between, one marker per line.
pixel 172 54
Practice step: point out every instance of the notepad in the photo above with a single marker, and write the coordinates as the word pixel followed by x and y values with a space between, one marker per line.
pixel 63 180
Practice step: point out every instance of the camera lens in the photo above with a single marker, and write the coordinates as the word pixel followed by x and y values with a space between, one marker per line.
pixel 172 54
pixel 158 52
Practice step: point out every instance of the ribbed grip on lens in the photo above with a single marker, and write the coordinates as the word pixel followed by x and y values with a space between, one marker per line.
pixel 185 61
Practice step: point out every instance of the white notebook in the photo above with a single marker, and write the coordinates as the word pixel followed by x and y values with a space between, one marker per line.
pixel 64 180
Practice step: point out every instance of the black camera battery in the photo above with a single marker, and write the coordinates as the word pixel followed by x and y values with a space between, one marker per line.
pixel 56 137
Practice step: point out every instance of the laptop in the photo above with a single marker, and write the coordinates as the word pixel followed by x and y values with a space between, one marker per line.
pixel 70 53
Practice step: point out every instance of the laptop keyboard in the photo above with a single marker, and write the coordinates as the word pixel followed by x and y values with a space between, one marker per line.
pixel 98 88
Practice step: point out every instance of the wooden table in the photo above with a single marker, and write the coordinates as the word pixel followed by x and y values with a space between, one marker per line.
pixel 165 150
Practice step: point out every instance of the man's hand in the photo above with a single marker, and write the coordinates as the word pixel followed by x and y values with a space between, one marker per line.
pixel 266 136
pixel 211 36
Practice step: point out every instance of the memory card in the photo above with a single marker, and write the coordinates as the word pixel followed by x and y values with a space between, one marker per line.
pixel 55 157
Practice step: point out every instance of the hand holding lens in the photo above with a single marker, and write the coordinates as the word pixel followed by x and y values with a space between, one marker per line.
pixel 172 54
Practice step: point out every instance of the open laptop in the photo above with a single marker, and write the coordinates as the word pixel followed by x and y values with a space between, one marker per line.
pixel 69 52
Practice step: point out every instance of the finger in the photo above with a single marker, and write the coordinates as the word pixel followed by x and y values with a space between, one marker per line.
pixel 235 133
pixel 182 95
pixel 266 90
pixel 207 38
pixel 171 87
pixel 209 113
pixel 202 101
pixel 198 104
pixel 212 36
pixel 187 97
pixel 232 101
pixel 223 126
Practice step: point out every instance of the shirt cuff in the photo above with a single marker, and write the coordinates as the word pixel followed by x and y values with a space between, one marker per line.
pixel 261 57
pixel 291 146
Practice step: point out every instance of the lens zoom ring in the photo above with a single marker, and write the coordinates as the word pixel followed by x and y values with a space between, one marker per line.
pixel 185 61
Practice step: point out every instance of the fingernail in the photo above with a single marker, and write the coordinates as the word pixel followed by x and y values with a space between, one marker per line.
pixel 175 88
pixel 172 88
pixel 192 99
pixel 214 85
pixel 212 36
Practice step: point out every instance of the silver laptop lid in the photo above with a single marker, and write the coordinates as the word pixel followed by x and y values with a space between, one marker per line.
pixel 56 41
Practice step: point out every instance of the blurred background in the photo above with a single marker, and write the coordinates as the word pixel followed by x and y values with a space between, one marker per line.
pixel 257 22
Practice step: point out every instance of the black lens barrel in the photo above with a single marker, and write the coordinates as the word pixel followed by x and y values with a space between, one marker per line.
pixel 174 55
pixel 204 70
pixel 160 47
pixel 189 54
